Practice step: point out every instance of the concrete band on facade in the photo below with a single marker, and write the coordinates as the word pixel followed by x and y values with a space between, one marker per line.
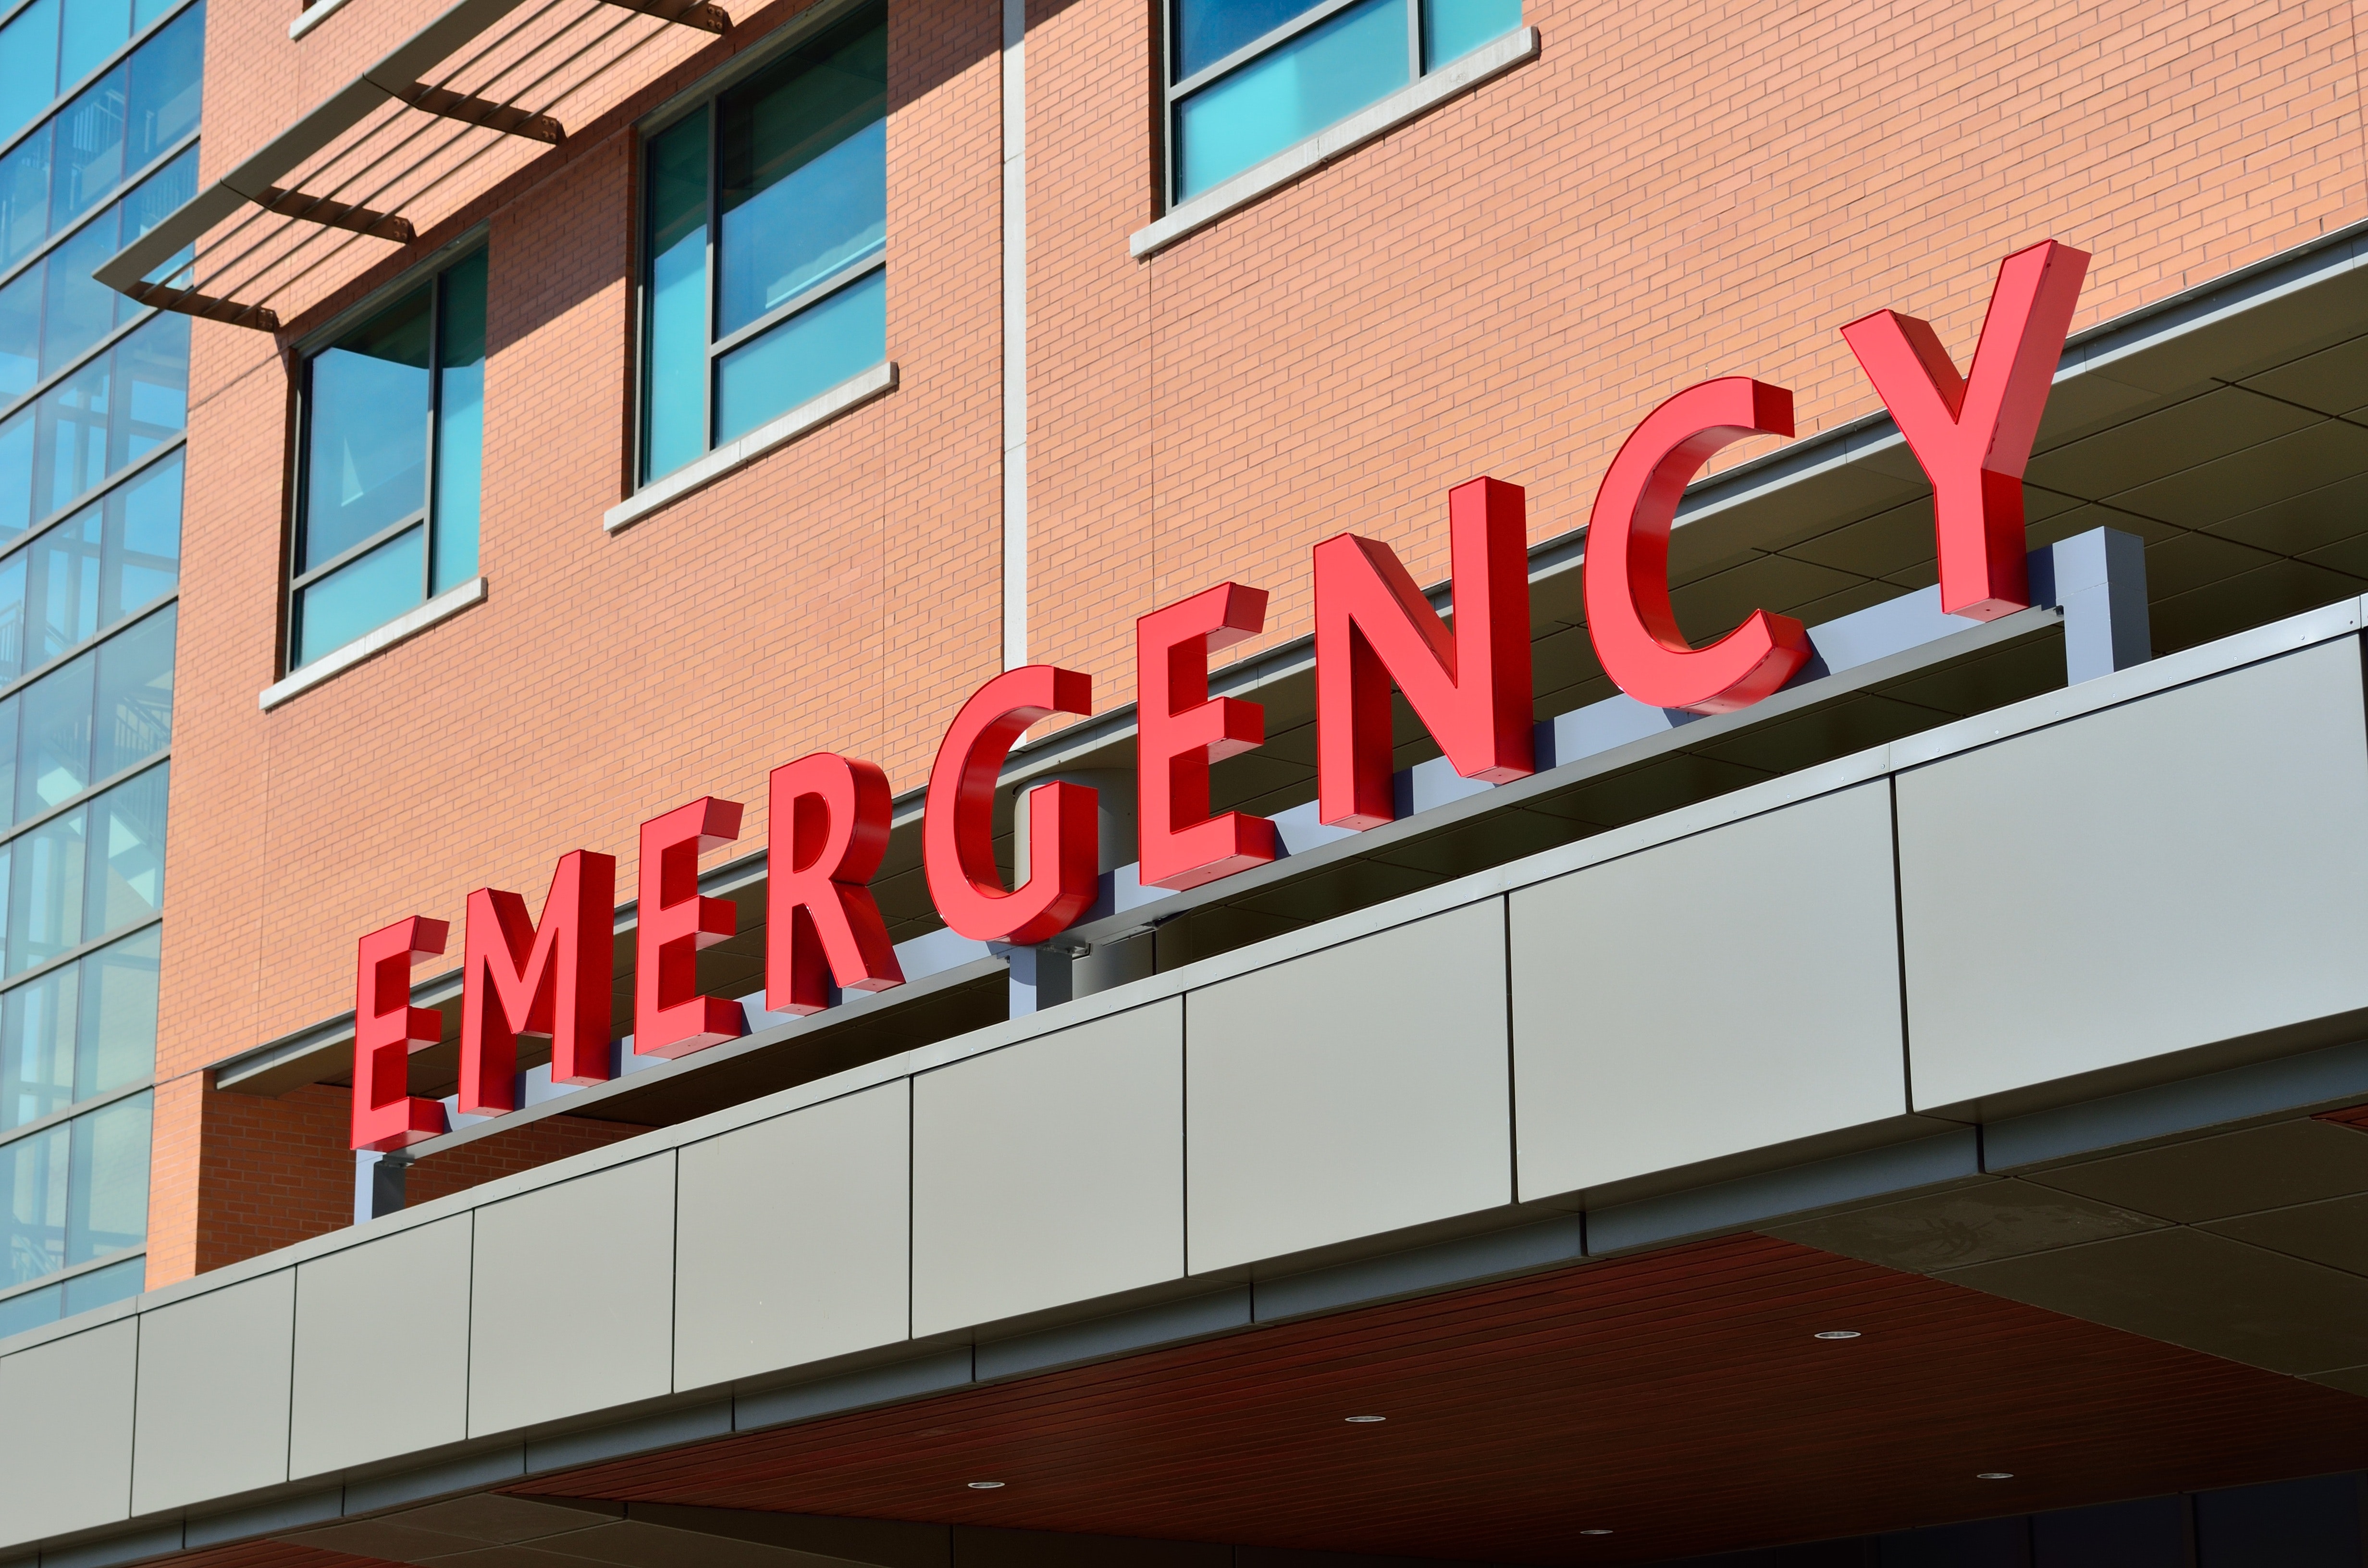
pixel 1400 1100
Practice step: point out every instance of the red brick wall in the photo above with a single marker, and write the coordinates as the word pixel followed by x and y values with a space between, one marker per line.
pixel 1670 191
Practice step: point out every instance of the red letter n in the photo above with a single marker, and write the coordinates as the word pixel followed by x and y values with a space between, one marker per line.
pixel 1973 435
pixel 1470 688
pixel 552 980
pixel 829 826
pixel 387 1030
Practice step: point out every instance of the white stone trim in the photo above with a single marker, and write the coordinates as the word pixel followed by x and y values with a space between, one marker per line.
pixel 703 471
pixel 1377 119
pixel 312 16
pixel 401 628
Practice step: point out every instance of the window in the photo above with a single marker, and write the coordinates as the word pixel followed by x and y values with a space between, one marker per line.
pixel 51 45
pixel 394 420
pixel 141 110
pixel 53 311
pixel 1250 78
pixel 766 245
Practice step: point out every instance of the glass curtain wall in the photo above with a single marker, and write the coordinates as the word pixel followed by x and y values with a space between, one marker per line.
pixel 394 423
pixel 767 238
pixel 1250 78
pixel 98 120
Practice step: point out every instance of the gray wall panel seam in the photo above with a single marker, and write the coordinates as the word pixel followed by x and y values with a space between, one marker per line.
pixel 469 1342
pixel 674 1267
pixel 1184 1130
pixel 1512 1083
pixel 1899 947
pixel 131 1457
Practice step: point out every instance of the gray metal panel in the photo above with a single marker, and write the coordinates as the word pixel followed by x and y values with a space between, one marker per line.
pixel 1050 1171
pixel 2170 873
pixel 1357 1090
pixel 793 1238
pixel 1726 992
pixel 71 1468
pixel 212 1417
pixel 394 1300
pixel 572 1309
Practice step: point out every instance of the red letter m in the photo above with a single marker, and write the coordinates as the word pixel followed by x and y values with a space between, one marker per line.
pixel 548 980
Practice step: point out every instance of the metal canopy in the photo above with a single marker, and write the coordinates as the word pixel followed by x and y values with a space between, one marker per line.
pixel 404 78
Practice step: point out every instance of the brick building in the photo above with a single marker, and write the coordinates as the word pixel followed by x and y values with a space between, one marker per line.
pixel 1908 1111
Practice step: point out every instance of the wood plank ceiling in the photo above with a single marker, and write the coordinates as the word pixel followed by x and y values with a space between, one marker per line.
pixel 1678 1399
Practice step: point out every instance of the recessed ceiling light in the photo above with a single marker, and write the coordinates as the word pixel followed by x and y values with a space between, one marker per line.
pixel 1837 1334
pixel 1993 1475
pixel 984 1485
pixel 1363 1420
pixel 1595 1532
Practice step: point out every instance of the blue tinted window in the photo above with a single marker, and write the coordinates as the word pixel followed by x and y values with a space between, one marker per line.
pixel 366 458
pixel 811 352
pixel 460 421
pixel 25 195
pixel 674 392
pixel 167 86
pixel 789 280
pixel 1453 28
pixel 20 334
pixel 107 1182
pixel 359 596
pixel 1289 93
pixel 92 30
pixel 802 173
pixel 28 65
pixel 133 713
pixel 33 1204
pixel 1208 30
pixel 89 146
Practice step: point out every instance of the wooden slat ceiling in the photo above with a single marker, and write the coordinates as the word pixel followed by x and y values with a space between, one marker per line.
pixel 1678 1398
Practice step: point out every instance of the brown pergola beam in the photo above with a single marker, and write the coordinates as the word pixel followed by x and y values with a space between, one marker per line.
pixel 508 119
pixel 205 307
pixel 336 214
pixel 706 18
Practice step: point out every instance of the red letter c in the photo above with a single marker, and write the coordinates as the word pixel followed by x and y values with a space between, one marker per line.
pixel 1627 566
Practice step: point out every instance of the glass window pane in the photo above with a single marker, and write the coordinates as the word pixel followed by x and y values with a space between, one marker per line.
pixel 105 1287
pixel 135 695
pixel 801 172
pixel 460 421
pixel 16 475
pixel 33 1204
pixel 25 195
pixel 9 710
pixel 1289 93
pixel 20 334
pixel 12 617
pixel 93 30
pixel 359 596
pixel 53 747
pixel 1208 30
pixel 1453 28
pixel 32 1309
pixel 167 76
pixel 116 1027
pixel 107 1211
pixel 37 1049
pixel 673 359
pixel 126 857
pixel 89 147
pixel 78 310
pixel 807 355
pixel 367 462
pixel 70 444
pixel 45 884
pixel 28 65
pixel 152 378
pixel 142 543
pixel 61 592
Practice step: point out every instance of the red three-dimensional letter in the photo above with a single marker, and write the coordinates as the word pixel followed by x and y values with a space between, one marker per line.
pixel 830 827
pixel 1627 568
pixel 1470 688
pixel 1973 435
pixel 387 1030
pixel 670 1018
pixel 549 980
pixel 958 824
pixel 1179 731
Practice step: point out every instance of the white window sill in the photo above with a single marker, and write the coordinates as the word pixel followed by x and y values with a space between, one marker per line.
pixel 1373 120
pixel 696 475
pixel 401 628
pixel 312 16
